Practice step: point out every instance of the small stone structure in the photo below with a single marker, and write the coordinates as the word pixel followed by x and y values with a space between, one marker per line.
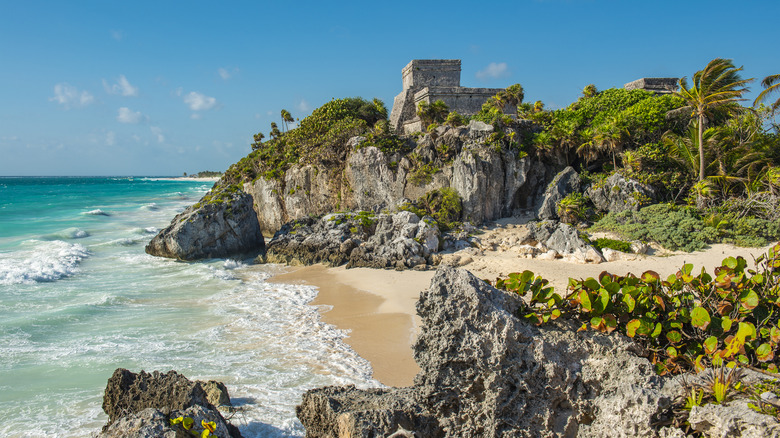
pixel 655 85
pixel 429 80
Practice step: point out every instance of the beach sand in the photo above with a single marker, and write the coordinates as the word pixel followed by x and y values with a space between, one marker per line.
pixel 378 306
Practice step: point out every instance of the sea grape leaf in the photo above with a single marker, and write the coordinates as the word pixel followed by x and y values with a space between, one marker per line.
pixel 749 299
pixel 632 326
pixel 710 344
pixel 700 318
pixel 764 353
pixel 674 336
pixel 584 297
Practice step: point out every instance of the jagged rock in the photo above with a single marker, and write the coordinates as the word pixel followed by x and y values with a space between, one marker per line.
pixel 638 247
pixel 211 229
pixel 564 239
pixel 216 393
pixel 620 194
pixel 154 423
pixel 128 393
pixel 735 419
pixel 396 241
pixel 486 372
pixel 349 412
pixel 565 182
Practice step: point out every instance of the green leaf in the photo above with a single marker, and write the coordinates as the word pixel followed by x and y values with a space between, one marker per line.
pixel 749 299
pixel 758 279
pixel 630 302
pixel 730 262
pixel 650 276
pixel 674 336
pixel 725 323
pixel 711 344
pixel 592 284
pixel 746 330
pixel 764 353
pixel 700 318
pixel 584 297
pixel 596 322
pixel 656 331
pixel 671 351
pixel 602 301
pixel 632 326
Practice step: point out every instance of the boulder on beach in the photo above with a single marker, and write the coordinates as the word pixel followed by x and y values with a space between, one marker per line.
pixel 214 227
pixel 141 404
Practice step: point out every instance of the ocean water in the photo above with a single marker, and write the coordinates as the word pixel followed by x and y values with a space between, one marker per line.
pixel 80 298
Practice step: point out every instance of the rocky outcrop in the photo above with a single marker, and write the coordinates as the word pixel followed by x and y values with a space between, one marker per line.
pixel 565 182
pixel 141 404
pixel 559 240
pixel 486 372
pixel 398 241
pixel 211 228
pixel 492 182
pixel 620 194
pixel 335 411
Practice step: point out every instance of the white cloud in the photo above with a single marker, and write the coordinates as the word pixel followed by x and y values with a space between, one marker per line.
pixel 110 138
pixel 226 74
pixel 494 71
pixel 196 116
pixel 126 115
pixel 158 132
pixel 304 106
pixel 199 102
pixel 122 87
pixel 68 96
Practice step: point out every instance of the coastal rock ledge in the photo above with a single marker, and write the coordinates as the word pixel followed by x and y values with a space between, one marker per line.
pixel 140 405
pixel 211 228
pixel 485 372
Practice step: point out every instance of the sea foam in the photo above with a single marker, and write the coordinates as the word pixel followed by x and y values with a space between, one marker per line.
pixel 43 262
pixel 96 212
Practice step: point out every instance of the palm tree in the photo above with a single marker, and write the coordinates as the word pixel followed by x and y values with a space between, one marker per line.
pixel 589 91
pixel 275 133
pixel 258 141
pixel 718 87
pixel 514 94
pixel 771 84
pixel 286 119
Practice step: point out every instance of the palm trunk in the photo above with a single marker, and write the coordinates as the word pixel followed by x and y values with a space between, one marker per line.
pixel 701 147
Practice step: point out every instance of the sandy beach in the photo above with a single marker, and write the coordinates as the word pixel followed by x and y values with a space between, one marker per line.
pixel 378 306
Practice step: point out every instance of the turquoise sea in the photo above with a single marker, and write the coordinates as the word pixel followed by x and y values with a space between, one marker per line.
pixel 80 298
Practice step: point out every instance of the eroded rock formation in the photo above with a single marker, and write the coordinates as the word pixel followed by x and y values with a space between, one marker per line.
pixel 211 229
pixel 486 372
pixel 140 404
pixel 399 241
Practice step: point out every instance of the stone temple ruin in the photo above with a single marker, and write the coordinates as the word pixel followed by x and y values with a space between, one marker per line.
pixel 655 85
pixel 429 80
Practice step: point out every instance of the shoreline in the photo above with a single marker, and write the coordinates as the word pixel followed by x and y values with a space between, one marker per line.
pixel 378 307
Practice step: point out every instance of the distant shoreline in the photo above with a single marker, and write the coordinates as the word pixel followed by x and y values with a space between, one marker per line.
pixel 187 178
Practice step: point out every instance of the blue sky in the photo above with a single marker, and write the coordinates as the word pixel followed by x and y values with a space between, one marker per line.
pixel 166 87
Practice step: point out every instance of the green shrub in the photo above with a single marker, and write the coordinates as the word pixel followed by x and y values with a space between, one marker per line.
pixel 675 228
pixel 686 322
pixel 443 205
pixel 617 245
pixel 571 209
pixel 682 228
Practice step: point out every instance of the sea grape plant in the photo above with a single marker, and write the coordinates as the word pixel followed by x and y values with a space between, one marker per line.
pixel 188 423
pixel 685 322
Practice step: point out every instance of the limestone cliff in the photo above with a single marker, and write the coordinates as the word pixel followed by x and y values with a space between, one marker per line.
pixel 492 180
